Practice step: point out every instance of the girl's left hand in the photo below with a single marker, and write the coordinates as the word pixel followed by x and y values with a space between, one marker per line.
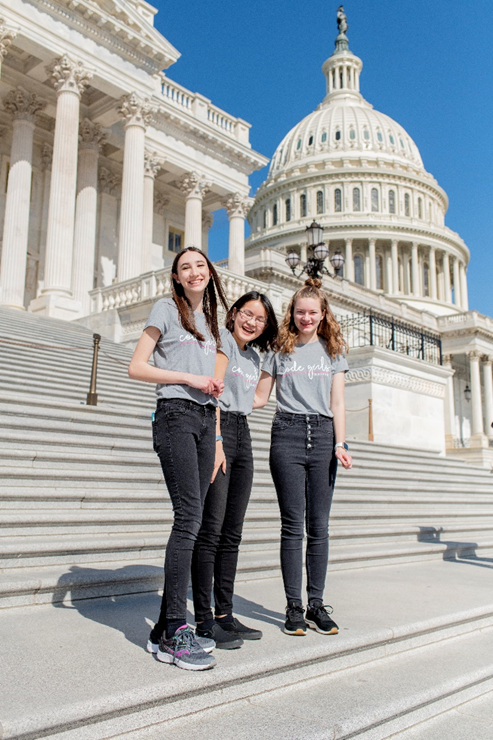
pixel 217 387
pixel 220 461
pixel 344 458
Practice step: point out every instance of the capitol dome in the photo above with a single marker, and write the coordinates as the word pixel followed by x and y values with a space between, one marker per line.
pixel 359 174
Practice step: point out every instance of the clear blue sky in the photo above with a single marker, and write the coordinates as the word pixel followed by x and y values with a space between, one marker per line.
pixel 428 65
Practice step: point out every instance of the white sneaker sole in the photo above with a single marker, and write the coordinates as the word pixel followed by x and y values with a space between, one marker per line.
pixel 313 626
pixel 153 648
pixel 167 658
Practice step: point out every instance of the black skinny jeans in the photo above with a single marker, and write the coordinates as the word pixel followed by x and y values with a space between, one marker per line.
pixel 184 439
pixel 216 550
pixel 303 467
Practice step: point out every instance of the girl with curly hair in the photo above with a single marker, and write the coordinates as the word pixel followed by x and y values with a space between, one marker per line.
pixel 308 439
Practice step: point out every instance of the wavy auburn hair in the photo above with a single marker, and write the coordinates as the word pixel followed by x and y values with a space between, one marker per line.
pixel 328 328
pixel 268 339
pixel 209 301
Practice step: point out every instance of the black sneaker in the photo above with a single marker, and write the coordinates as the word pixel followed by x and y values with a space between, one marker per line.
pixel 294 624
pixel 317 617
pixel 224 640
pixel 236 628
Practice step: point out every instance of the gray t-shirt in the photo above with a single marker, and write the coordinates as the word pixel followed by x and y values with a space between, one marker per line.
pixel 241 376
pixel 304 378
pixel 178 350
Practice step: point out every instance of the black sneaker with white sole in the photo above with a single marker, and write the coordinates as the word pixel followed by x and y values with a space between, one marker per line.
pixel 224 640
pixel 235 628
pixel 317 617
pixel 295 623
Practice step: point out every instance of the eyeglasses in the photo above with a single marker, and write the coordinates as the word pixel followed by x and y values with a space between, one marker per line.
pixel 247 316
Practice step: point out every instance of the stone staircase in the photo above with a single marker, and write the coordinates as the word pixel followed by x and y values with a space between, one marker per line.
pixel 84 514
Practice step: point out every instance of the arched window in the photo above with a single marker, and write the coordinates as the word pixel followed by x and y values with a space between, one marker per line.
pixel 374 199
pixel 407 205
pixel 274 215
pixel 426 279
pixel 265 218
pixel 366 134
pixel 379 136
pixel 391 201
pixel 356 199
pixel 288 209
pixel 298 145
pixel 391 139
pixel 379 271
pixel 352 134
pixel 324 137
pixel 320 202
pixel 359 275
pixel 420 208
pixel 337 200
pixel 338 134
pixel 303 205
pixel 310 140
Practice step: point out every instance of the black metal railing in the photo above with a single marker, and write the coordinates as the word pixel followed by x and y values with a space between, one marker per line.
pixel 375 330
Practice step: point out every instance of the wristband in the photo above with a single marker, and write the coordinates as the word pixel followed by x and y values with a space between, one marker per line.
pixel 219 438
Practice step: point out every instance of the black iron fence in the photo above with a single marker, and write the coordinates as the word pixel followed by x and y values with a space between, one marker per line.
pixel 375 330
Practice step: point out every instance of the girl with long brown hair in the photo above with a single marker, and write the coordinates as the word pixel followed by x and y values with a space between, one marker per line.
pixel 182 334
pixel 308 439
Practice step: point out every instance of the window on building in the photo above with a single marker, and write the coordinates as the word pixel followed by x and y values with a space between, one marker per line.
pixel 426 279
pixel 320 201
pixel 366 134
pixel 298 145
pixel 374 199
pixel 337 200
pixel 379 271
pixel 274 215
pixel 175 240
pixel 324 137
pixel 391 201
pixel 310 140
pixel 356 199
pixel 288 209
pixel 265 218
pixel 420 208
pixel 352 134
pixel 407 204
pixel 303 205
pixel 402 143
pixel 391 139
pixel 338 134
pixel 359 275
pixel 379 136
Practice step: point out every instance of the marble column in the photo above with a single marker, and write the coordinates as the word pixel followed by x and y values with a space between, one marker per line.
pixel 450 430
pixel 47 160
pixel 152 165
pixel 207 221
pixel 161 203
pixel 457 293
pixel 395 265
pixel 446 277
pixel 195 187
pixel 91 138
pixel 373 263
pixel 137 114
pixel 237 208
pixel 388 272
pixel 23 107
pixel 107 246
pixel 7 35
pixel 463 286
pixel 477 408
pixel 433 273
pixel 56 299
pixel 488 393
pixel 349 263
pixel 415 281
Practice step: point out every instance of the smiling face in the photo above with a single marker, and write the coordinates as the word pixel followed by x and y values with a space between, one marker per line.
pixel 307 315
pixel 192 272
pixel 249 322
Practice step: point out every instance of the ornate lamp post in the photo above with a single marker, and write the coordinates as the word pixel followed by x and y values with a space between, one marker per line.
pixel 317 254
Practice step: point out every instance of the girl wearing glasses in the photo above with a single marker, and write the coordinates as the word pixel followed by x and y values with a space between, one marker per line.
pixel 308 439
pixel 182 334
pixel 250 322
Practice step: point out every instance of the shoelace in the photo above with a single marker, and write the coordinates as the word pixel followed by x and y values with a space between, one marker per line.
pixel 322 608
pixel 295 610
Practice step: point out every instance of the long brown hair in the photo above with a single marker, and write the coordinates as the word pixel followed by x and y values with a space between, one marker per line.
pixel 328 328
pixel 209 301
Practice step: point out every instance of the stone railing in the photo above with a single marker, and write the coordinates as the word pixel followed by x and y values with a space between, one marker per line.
pixel 176 94
pixel 469 319
pixel 218 118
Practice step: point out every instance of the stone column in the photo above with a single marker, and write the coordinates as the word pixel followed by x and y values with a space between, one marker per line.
pixel 373 264
pixel 137 114
pixel 195 187
pixel 237 208
pixel 488 393
pixel 56 298
pixel 477 408
pixel 395 265
pixel 463 286
pixel 161 203
pixel 23 106
pixel 450 431
pixel 388 272
pixel 46 159
pixel 433 273
pixel 457 294
pixel 91 137
pixel 7 35
pixel 107 256
pixel 446 277
pixel 415 281
pixel 349 263
pixel 152 165
pixel 207 221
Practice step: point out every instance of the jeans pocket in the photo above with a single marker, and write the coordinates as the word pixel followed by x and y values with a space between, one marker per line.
pixel 154 434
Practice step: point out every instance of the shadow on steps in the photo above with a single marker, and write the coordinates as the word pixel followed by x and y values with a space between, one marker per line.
pixel 458 552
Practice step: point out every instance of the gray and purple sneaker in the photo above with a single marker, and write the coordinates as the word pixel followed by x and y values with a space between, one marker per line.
pixel 184 651
pixel 205 643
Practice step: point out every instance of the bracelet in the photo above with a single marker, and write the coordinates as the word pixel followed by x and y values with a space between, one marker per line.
pixel 219 438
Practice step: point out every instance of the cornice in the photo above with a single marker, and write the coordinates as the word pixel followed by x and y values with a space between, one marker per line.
pixel 384 376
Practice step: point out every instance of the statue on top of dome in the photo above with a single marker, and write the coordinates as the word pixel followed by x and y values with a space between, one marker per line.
pixel 342 24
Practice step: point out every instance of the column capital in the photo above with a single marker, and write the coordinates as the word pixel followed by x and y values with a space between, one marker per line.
pixel 447 359
pixel 487 359
pixel 69 76
pixel 136 111
pixel 108 181
pixel 152 164
pixel 161 202
pixel 47 156
pixel 91 135
pixel 22 105
pixel 236 205
pixel 474 355
pixel 207 219
pixel 194 185
pixel 7 35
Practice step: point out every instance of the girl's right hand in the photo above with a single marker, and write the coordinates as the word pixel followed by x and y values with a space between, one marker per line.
pixel 203 383
pixel 220 460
